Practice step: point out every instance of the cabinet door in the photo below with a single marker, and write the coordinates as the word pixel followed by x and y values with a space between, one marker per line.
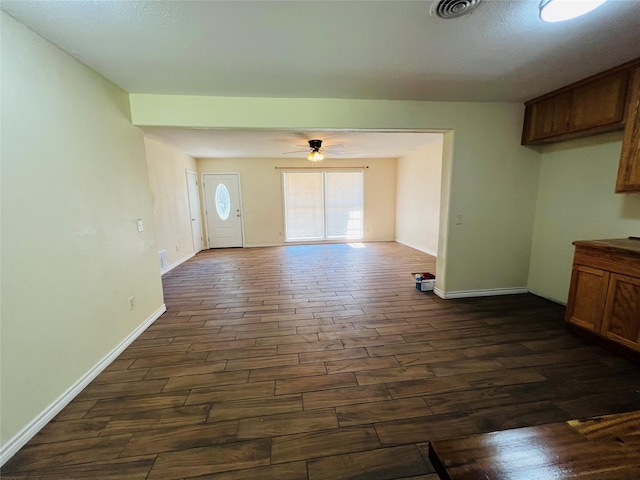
pixel 622 311
pixel 587 297
pixel 629 169
pixel 549 117
pixel 600 102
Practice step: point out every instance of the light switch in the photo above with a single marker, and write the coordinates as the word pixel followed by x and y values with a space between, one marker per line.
pixel 140 226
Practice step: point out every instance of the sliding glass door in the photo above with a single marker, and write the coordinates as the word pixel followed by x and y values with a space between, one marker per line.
pixel 323 206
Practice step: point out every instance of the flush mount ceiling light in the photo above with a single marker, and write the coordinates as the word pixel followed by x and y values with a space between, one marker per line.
pixel 560 10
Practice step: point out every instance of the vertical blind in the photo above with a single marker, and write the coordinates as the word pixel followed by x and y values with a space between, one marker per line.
pixel 323 205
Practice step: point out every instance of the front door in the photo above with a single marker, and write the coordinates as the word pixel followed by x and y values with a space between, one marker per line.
pixel 223 210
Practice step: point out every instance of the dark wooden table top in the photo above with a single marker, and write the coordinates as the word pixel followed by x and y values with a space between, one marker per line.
pixel 603 448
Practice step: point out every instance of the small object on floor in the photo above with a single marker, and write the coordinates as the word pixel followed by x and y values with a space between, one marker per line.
pixel 425 282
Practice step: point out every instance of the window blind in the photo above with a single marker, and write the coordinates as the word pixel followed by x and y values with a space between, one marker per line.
pixel 343 194
pixel 304 206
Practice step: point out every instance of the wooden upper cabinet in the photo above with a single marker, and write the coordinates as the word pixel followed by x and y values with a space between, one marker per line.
pixel 629 168
pixel 592 106
pixel 549 117
pixel 599 103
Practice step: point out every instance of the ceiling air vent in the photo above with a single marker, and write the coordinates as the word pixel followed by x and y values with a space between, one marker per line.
pixel 453 8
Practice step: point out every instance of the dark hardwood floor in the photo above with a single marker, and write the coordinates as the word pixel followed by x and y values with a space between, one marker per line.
pixel 321 362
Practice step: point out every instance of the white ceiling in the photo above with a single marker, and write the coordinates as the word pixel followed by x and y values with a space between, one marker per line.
pixel 389 49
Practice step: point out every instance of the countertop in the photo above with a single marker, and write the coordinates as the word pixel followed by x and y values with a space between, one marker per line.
pixel 621 245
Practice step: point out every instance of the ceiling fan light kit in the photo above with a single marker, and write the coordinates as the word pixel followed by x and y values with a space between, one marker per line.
pixel 561 10
pixel 315 156
pixel 316 150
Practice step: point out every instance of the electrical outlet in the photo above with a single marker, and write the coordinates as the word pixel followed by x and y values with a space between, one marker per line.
pixel 132 302
pixel 459 219
pixel 177 247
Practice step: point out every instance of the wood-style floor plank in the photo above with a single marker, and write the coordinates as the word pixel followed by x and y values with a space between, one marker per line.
pixel 286 424
pixel 204 460
pixel 181 438
pixel 381 464
pixel 323 362
pixel 304 446
pixel 283 471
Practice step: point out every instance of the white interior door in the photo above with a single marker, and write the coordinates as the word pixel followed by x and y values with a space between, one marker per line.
pixel 194 210
pixel 223 210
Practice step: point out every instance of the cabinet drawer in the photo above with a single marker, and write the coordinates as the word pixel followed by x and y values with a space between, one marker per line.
pixel 605 260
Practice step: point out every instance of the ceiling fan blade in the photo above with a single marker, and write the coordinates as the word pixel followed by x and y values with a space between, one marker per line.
pixel 335 145
pixel 295 151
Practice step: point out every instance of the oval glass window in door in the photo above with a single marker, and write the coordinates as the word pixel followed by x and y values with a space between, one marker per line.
pixel 223 202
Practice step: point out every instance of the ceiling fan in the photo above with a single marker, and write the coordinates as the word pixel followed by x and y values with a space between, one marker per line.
pixel 315 152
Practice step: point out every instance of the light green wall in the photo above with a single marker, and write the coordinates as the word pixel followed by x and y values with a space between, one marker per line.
pixel 171 215
pixel 576 201
pixel 262 202
pixel 488 178
pixel 74 182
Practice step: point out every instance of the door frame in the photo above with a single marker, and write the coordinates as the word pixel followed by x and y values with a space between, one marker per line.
pixel 199 219
pixel 206 213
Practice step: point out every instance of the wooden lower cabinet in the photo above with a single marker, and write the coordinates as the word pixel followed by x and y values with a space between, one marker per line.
pixel 589 292
pixel 604 297
pixel 621 320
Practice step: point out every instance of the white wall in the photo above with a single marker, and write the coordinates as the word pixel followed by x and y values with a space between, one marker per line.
pixel 576 201
pixel 74 183
pixel 262 202
pixel 171 215
pixel 418 197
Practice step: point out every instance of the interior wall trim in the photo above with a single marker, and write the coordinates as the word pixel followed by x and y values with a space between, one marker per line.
pixel 480 293
pixel 10 448
pixel 176 263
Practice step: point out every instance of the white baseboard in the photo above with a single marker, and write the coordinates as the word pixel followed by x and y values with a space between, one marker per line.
pixel 10 448
pixel 176 263
pixel 480 293
pixel 415 247
pixel 262 245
